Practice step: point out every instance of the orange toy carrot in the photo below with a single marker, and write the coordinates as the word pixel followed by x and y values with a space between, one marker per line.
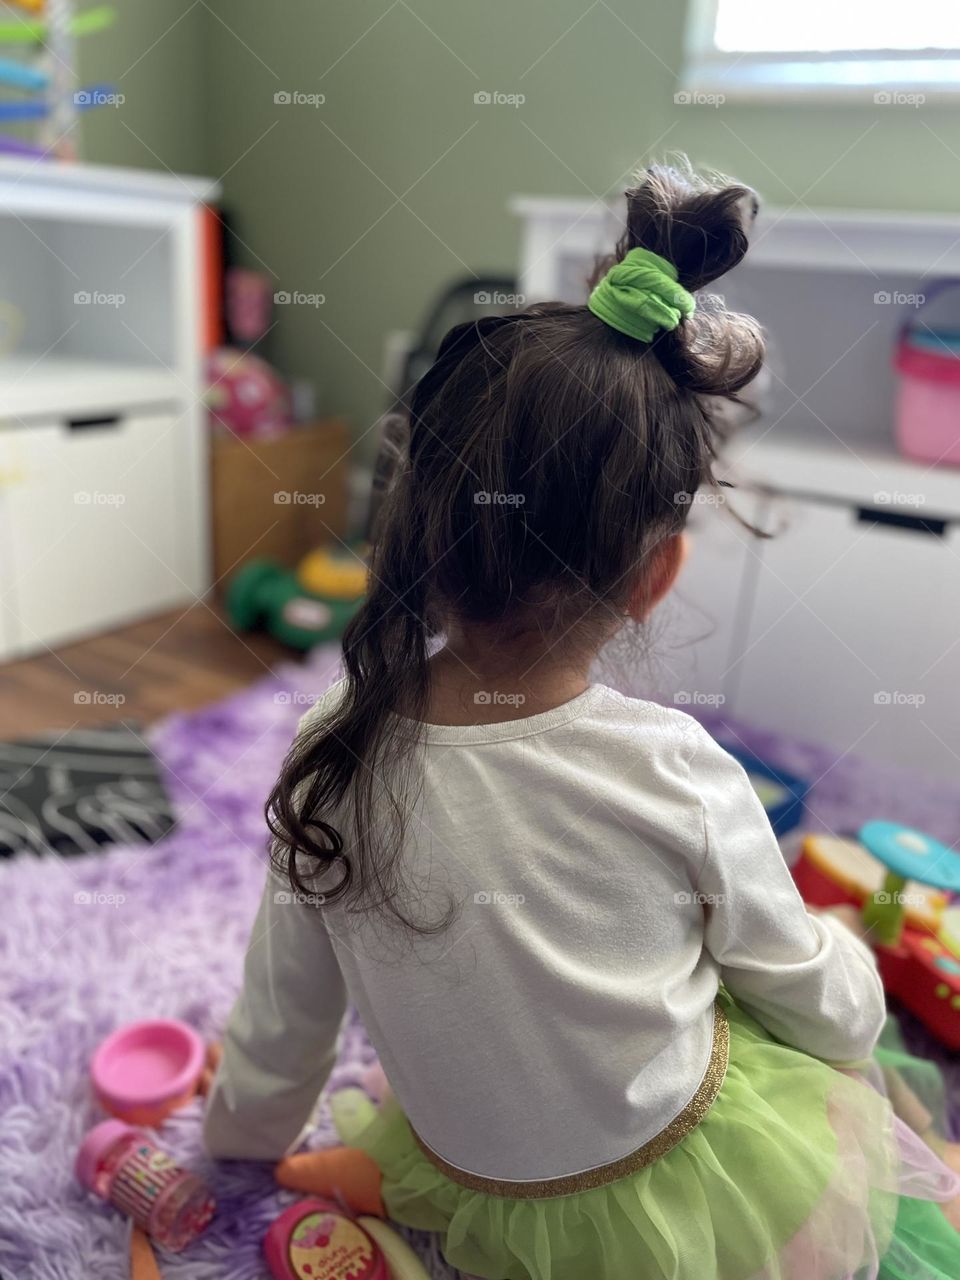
pixel 345 1174
pixel 143 1263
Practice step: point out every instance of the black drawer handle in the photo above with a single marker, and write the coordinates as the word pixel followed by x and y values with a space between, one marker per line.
pixel 930 525
pixel 92 424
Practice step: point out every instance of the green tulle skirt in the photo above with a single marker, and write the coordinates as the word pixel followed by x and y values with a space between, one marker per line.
pixel 797 1172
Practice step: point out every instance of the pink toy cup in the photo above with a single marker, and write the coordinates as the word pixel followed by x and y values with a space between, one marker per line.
pixel 127 1169
pixel 145 1070
pixel 315 1240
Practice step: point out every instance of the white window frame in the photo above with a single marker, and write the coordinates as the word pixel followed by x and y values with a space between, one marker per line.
pixel 907 77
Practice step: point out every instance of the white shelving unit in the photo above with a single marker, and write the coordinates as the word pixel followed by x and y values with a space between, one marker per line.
pixel 103 447
pixel 844 628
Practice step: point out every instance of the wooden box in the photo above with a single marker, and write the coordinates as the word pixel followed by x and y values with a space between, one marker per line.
pixel 278 498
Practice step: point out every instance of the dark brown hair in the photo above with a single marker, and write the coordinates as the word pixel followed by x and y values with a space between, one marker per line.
pixel 549 456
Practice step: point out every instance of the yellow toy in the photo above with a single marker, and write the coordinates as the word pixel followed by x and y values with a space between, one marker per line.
pixel 333 575
pixel 949 931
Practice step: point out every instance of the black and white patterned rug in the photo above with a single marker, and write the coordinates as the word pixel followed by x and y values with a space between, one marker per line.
pixel 73 792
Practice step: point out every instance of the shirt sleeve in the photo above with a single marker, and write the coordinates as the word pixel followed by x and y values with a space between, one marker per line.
pixel 281 1039
pixel 808 979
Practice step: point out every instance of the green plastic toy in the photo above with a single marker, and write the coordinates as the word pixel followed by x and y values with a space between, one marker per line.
pixel 265 595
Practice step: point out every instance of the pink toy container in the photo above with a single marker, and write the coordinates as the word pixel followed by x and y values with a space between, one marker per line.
pixel 315 1240
pixel 127 1169
pixel 928 403
pixel 145 1070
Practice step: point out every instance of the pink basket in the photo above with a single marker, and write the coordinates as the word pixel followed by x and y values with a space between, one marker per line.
pixel 928 403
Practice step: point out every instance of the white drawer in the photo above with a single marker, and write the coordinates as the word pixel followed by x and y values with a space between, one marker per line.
pixel 854 639
pixel 93 528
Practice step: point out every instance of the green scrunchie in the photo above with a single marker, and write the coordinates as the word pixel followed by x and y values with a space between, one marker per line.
pixel 640 296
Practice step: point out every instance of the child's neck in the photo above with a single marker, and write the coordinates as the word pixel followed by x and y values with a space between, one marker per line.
pixel 473 682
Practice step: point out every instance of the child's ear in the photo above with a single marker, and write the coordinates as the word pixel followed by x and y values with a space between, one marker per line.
pixel 658 575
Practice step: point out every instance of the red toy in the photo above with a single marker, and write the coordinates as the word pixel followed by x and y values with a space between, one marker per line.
pixel 925 977
pixel 904 920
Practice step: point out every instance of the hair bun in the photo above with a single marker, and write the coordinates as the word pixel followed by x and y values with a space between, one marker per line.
pixel 702 226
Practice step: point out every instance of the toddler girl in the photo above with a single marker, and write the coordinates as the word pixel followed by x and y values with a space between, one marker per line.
pixel 613 1033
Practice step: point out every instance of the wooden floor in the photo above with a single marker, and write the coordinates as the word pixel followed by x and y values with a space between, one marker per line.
pixel 172 662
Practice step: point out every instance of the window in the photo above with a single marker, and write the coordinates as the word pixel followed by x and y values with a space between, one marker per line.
pixel 867 50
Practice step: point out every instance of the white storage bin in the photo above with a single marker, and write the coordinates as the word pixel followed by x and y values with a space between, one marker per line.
pixel 95 531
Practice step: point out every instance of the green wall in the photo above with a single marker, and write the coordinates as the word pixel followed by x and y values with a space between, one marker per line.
pixel 156 56
pixel 315 190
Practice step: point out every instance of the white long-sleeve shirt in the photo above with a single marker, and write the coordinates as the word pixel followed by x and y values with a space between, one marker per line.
pixel 612 866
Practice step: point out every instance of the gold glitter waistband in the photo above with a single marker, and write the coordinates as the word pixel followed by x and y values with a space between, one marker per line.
pixel 602 1175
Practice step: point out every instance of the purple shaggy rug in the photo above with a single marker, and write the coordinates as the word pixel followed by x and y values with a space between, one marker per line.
pixel 160 931
pixel 90 943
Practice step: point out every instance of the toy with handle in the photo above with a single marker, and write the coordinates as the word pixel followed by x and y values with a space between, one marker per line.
pixel 920 970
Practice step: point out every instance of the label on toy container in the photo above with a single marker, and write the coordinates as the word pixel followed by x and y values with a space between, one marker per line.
pixel 325 1246
pixel 309 615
